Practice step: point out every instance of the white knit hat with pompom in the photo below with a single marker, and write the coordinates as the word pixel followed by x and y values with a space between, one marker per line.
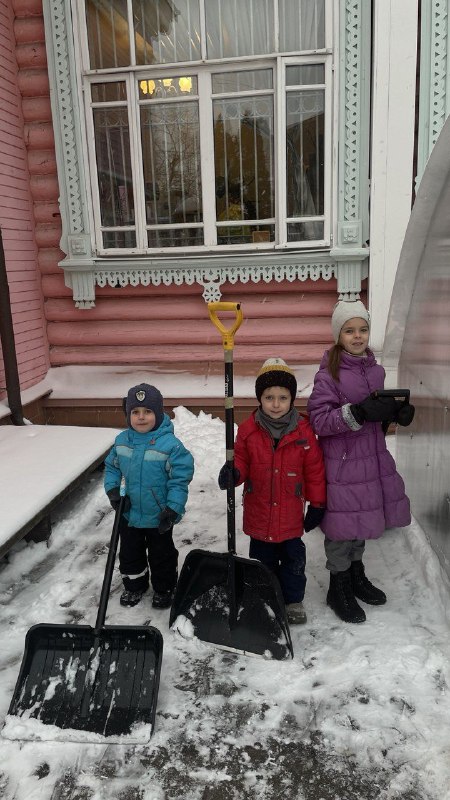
pixel 345 310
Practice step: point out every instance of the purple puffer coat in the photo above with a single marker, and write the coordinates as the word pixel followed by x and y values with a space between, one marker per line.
pixel 365 493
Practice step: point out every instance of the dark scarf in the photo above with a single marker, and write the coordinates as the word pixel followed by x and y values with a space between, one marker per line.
pixel 278 427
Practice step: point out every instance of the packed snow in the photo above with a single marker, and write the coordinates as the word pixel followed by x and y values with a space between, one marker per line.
pixel 360 713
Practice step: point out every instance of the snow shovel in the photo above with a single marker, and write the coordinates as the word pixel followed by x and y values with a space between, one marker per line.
pixel 230 601
pixel 87 681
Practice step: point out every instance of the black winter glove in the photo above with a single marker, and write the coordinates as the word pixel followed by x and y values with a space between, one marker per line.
pixel 313 518
pixel 167 520
pixel 404 414
pixel 375 409
pixel 228 477
pixel 114 499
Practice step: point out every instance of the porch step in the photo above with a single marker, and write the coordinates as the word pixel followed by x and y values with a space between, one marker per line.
pixel 92 396
pixel 108 413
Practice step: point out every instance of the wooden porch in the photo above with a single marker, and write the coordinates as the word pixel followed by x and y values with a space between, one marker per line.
pixel 92 396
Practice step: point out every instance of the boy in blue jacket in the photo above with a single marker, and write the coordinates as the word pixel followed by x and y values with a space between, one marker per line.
pixel 157 469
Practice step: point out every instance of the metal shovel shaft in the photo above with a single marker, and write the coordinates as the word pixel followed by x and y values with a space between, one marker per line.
pixel 227 334
pixel 106 586
pixel 229 450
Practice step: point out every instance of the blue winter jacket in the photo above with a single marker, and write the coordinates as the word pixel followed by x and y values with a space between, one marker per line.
pixel 157 469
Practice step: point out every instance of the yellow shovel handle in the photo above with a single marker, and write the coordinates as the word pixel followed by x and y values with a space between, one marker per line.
pixel 226 333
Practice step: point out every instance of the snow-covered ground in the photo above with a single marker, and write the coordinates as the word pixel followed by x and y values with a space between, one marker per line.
pixel 361 712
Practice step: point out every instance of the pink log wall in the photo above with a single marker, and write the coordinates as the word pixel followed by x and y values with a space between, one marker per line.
pixel 16 220
pixel 138 325
pixel 148 324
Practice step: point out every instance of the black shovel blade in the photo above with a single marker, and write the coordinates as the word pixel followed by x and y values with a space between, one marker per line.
pixel 234 603
pixel 72 678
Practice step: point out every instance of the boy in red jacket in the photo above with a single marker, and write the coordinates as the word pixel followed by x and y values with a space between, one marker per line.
pixel 280 463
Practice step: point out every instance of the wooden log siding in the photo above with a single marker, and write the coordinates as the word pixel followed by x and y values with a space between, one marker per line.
pixel 195 331
pixel 143 324
pixel 181 309
pixel 146 324
pixel 16 213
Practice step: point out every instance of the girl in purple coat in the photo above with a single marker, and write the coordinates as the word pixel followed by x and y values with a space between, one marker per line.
pixel 365 494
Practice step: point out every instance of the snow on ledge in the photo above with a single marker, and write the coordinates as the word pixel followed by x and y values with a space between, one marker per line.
pixel 76 382
pixel 37 462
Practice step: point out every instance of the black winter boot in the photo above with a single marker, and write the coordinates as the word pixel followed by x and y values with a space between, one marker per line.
pixel 363 589
pixel 163 599
pixel 128 598
pixel 341 598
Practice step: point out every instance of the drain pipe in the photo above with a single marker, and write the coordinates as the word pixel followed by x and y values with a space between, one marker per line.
pixel 8 345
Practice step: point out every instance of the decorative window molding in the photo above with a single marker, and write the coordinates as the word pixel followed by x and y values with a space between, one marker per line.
pixel 434 98
pixel 349 272
pixel 354 95
pixel 66 124
pixel 84 270
pixel 211 278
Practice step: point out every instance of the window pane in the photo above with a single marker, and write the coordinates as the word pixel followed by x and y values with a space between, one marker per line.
pixel 243 152
pixel 108 92
pixel 171 161
pixel 118 239
pixel 108 33
pixel 235 28
pixel 305 153
pixel 175 237
pixel 166 32
pixel 162 88
pixel 112 147
pixel 305 231
pixel 245 234
pixel 306 75
pixel 246 81
pixel 302 25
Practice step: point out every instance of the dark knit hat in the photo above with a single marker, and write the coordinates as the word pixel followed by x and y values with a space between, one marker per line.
pixel 275 372
pixel 145 396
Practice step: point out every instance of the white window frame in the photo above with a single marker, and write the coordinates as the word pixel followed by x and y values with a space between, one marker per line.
pixel 287 61
pixel 132 75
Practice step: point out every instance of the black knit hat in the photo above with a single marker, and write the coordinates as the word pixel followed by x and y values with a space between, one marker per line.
pixel 145 396
pixel 275 372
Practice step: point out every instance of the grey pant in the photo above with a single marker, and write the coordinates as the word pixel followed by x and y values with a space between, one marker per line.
pixel 341 554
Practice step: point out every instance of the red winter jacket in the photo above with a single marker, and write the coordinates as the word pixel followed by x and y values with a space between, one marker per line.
pixel 277 482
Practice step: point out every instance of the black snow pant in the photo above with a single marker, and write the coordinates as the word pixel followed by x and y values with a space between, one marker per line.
pixel 143 551
pixel 287 561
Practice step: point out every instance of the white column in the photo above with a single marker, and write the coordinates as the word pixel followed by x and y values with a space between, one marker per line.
pixel 393 113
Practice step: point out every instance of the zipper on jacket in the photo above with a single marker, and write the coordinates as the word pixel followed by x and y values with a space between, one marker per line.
pixel 156 499
pixel 341 465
